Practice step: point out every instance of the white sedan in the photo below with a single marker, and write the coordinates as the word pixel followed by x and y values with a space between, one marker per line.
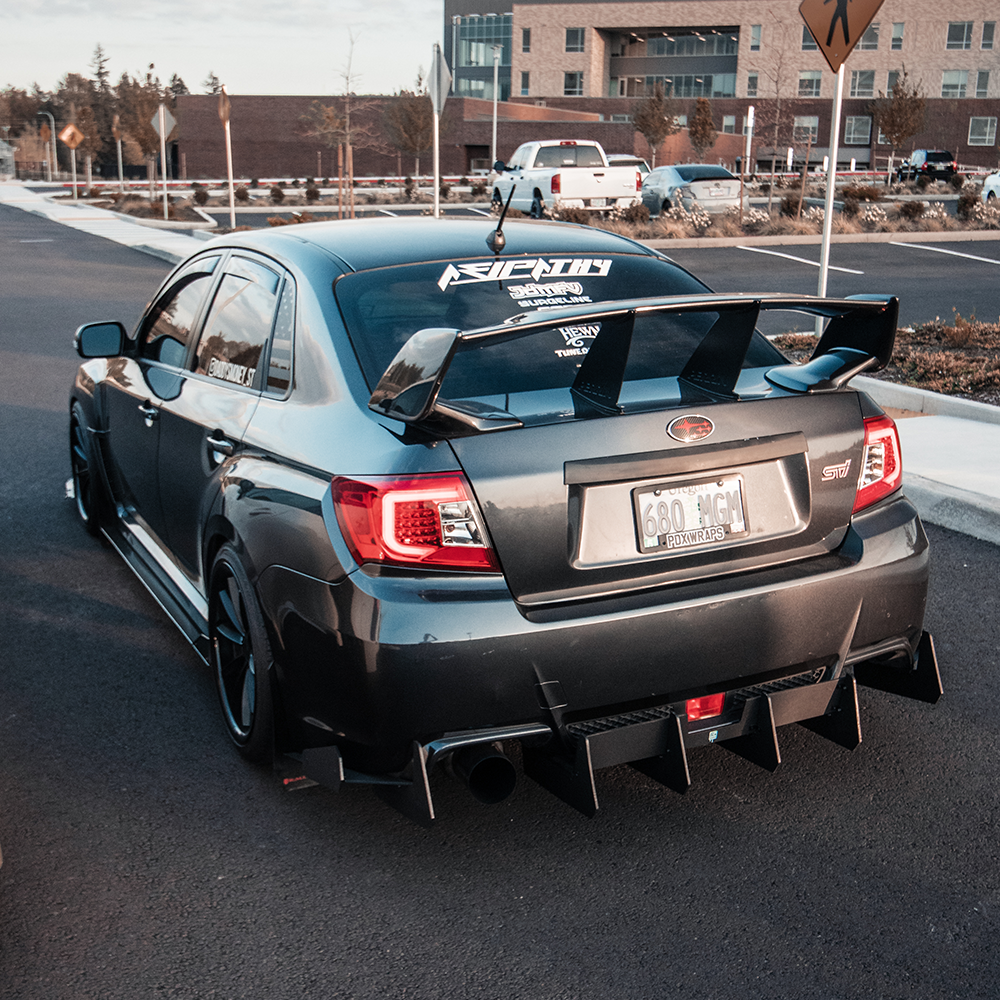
pixel 707 185
pixel 991 189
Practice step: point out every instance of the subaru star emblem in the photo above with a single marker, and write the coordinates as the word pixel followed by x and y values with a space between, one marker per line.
pixel 690 427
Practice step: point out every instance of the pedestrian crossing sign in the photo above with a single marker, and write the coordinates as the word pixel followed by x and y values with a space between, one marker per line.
pixel 837 25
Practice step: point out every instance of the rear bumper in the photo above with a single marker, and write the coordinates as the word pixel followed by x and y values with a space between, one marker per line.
pixel 382 661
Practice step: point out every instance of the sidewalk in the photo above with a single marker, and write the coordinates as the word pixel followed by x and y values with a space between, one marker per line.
pixel 951 447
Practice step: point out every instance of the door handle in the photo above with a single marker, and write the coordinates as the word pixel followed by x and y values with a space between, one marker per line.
pixel 221 445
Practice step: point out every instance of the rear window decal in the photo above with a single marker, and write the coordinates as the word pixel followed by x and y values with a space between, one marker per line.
pixel 537 267
pixel 229 372
pixel 575 337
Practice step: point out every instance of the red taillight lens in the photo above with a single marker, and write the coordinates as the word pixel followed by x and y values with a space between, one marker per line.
pixel 706 707
pixel 556 184
pixel 638 181
pixel 881 464
pixel 428 521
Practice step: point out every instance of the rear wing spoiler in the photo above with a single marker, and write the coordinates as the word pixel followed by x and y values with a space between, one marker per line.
pixel 859 336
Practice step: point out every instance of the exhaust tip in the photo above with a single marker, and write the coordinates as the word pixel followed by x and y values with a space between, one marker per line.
pixel 487 772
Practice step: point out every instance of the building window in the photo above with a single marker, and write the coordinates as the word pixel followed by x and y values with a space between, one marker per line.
pixel 857 130
pixel 982 82
pixel 572 84
pixel 897 36
pixel 954 82
pixel 574 39
pixel 959 35
pixel 688 85
pixel 681 121
pixel 891 80
pixel 869 40
pixel 716 44
pixel 524 83
pixel 809 82
pixel 882 138
pixel 751 85
pixel 621 119
pixel 863 83
pixel 808 42
pixel 988 27
pixel 982 131
pixel 526 39
pixel 755 38
pixel 805 127
pixel 729 124
pixel 476 37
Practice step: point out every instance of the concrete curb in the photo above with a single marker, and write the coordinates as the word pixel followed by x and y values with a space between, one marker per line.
pixel 951 507
pixel 906 397
pixel 948 236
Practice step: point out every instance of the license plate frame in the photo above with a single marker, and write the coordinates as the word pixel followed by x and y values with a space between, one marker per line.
pixel 598 202
pixel 709 512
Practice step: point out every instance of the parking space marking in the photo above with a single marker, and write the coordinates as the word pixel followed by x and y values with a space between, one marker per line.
pixel 479 211
pixel 801 260
pixel 385 211
pixel 953 253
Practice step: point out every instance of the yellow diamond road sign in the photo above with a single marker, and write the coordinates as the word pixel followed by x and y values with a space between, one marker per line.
pixel 837 25
pixel 72 136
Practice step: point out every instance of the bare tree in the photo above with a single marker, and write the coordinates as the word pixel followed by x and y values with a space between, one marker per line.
pixel 655 117
pixel 408 121
pixel 899 115
pixel 701 128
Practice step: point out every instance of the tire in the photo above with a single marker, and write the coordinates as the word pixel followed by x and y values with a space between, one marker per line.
pixel 665 207
pixel 537 208
pixel 241 657
pixel 991 197
pixel 496 203
pixel 86 488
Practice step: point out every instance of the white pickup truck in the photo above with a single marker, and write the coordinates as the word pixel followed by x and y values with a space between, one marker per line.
pixel 566 173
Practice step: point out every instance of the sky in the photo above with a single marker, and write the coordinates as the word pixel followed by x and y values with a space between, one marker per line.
pixel 252 46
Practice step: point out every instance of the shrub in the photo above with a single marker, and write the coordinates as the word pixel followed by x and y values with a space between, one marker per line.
pixel 444 191
pixel 409 188
pixel 277 194
pixel 296 217
pixel 862 192
pixel 478 190
pixel 255 183
pixel 790 206
pixel 912 209
pixel 571 214
pixel 200 196
pixel 851 206
pixel 242 193
pixel 957 182
pixel 923 182
pixel 637 213
pixel 966 202
pixel 312 193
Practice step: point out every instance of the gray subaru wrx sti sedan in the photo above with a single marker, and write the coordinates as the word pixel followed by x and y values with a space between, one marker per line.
pixel 418 491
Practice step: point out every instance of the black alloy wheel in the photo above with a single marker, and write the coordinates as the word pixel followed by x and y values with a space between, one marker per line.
pixel 83 470
pixel 496 203
pixel 242 658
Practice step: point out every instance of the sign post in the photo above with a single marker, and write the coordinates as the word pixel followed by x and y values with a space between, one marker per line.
pixel 836 31
pixel 72 137
pixel 438 85
pixel 164 123
pixel 224 107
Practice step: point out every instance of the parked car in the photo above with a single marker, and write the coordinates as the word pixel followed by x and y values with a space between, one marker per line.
pixel 991 189
pixel 543 177
pixel 628 160
pixel 937 164
pixel 711 187
pixel 414 491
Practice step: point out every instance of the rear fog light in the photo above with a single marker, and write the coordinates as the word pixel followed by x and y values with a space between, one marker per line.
pixel 705 707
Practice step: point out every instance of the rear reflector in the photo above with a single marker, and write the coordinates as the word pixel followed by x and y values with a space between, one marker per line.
pixel 430 521
pixel 881 465
pixel 706 707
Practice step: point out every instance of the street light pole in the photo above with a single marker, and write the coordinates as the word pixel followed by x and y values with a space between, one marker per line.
pixel 52 137
pixel 496 77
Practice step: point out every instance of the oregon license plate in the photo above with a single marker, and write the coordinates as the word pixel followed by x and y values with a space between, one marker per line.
pixel 598 202
pixel 680 517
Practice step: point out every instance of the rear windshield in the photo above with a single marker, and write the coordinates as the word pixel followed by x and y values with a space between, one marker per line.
pixel 568 156
pixel 695 172
pixel 938 156
pixel 383 308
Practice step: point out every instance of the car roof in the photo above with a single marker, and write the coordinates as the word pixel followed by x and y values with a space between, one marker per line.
pixel 363 244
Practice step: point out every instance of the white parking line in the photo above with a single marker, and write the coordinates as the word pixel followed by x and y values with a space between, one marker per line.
pixel 385 211
pixel 801 260
pixel 954 253
pixel 480 211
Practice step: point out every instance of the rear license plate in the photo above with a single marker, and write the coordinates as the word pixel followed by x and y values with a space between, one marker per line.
pixel 680 517
pixel 598 202
pixel 716 192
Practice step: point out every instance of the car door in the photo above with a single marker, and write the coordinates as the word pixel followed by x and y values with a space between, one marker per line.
pixel 202 426
pixel 139 384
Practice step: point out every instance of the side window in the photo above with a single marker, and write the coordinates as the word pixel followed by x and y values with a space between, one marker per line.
pixel 166 331
pixel 279 366
pixel 238 324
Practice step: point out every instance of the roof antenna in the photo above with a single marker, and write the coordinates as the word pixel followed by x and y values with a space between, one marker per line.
pixel 496 241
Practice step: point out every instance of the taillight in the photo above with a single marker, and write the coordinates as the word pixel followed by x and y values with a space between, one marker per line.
pixel 638 181
pixel 556 184
pixel 429 520
pixel 881 462
pixel 705 707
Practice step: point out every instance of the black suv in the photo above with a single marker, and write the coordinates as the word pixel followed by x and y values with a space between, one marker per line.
pixel 938 164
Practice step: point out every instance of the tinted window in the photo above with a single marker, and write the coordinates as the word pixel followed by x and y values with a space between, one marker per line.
pixel 384 308
pixel 568 156
pixel 238 324
pixel 166 331
pixel 704 173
